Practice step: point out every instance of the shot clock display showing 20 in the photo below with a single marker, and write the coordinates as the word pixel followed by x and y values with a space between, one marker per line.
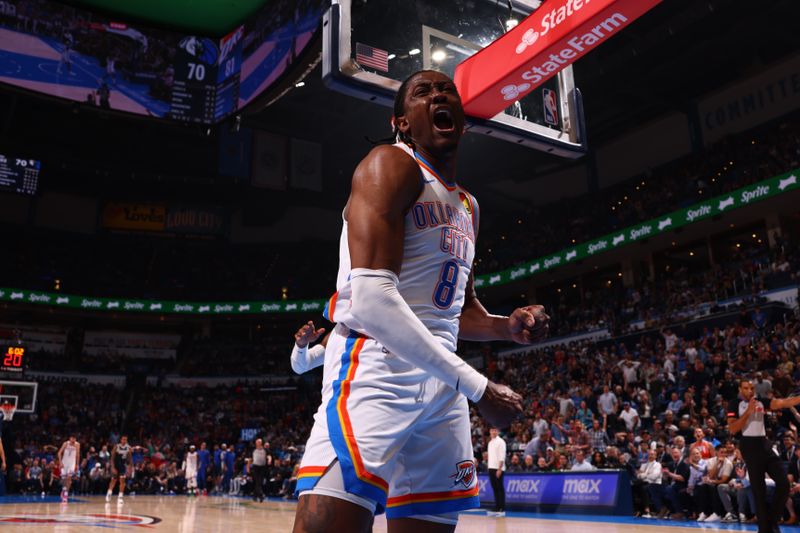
pixel 14 360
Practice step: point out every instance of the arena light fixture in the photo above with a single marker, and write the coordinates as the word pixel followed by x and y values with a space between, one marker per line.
pixel 439 55
pixel 414 51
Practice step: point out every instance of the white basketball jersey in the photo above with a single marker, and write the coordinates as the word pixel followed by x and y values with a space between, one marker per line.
pixel 70 454
pixel 438 250
pixel 191 464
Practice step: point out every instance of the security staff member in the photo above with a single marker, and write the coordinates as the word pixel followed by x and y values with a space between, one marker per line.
pixel 758 455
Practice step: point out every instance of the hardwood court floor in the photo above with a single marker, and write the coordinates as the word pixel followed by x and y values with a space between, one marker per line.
pixel 235 515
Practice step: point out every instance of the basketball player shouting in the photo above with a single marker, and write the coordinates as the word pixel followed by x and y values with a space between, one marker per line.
pixel 121 458
pixel 758 455
pixel 69 457
pixel 393 431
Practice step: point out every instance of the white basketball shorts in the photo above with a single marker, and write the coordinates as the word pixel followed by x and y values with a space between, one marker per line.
pixel 69 469
pixel 401 436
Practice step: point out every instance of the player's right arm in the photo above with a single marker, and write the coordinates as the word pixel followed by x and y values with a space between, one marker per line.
pixel 305 358
pixel 385 185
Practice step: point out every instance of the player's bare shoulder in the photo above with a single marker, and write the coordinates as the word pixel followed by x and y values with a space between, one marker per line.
pixel 388 167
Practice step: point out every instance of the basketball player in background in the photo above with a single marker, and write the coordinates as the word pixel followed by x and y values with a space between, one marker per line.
pixel 69 456
pixel 393 430
pixel 758 454
pixel 305 358
pixel 121 459
pixel 190 471
pixel 204 459
pixel 229 462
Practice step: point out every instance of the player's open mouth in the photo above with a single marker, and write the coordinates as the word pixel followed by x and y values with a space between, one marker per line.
pixel 443 120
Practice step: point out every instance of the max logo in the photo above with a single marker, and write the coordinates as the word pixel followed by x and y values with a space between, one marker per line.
pixel 465 473
pixel 528 39
pixel 571 255
pixel 534 268
pixel 727 202
pixel 618 239
pixel 664 223
pixel 494 279
pixel 582 486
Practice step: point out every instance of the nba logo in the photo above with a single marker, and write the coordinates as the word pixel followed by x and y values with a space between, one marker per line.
pixel 550 107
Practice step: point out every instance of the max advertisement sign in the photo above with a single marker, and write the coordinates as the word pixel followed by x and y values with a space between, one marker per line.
pixel 587 489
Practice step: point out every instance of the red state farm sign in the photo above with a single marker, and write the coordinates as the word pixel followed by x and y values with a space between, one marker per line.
pixel 550 39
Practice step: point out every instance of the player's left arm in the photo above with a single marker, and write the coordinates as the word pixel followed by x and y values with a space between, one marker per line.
pixel 525 325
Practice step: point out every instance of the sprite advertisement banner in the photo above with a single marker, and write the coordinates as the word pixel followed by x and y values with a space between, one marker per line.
pixel 156 306
pixel 721 204
pixel 699 211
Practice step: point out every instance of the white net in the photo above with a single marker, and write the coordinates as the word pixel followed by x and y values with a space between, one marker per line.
pixel 8 411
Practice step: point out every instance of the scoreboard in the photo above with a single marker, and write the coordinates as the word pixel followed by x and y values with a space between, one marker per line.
pixel 19 175
pixel 14 360
pixel 207 77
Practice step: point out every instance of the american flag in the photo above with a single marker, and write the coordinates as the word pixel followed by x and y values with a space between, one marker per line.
pixel 368 56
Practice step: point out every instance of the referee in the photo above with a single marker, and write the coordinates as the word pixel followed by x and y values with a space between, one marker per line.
pixel 758 455
pixel 259 469
pixel 497 468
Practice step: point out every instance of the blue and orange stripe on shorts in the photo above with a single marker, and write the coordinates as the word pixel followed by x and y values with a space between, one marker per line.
pixel 357 479
pixel 432 503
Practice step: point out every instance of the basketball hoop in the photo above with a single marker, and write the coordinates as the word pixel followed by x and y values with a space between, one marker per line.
pixel 8 411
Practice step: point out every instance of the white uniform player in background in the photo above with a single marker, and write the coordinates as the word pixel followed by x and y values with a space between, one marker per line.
pixel 69 456
pixel 190 471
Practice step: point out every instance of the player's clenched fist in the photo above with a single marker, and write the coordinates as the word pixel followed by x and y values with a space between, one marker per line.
pixel 528 324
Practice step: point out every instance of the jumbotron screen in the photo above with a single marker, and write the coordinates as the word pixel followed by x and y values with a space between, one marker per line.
pixel 71 53
pixel 19 175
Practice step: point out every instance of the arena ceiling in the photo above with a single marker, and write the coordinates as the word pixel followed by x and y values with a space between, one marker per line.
pixel 207 17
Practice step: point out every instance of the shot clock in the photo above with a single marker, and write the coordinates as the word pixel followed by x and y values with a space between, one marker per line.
pixel 14 360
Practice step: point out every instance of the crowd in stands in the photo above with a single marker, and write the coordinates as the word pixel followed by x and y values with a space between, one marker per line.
pixel 657 407
pixel 161 425
pixel 677 294
pixel 730 163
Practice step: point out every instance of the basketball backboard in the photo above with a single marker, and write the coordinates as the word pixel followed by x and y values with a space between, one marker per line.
pixel 370 46
pixel 21 394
